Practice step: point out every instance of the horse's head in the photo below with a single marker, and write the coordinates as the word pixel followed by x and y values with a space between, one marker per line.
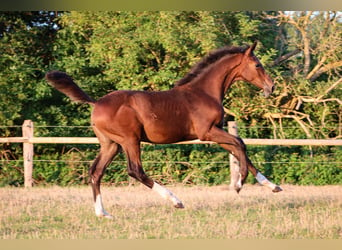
pixel 251 70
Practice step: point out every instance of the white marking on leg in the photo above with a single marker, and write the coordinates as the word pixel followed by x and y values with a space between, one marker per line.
pixel 99 210
pixel 264 181
pixel 167 194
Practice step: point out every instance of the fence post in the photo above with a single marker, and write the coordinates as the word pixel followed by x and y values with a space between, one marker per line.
pixel 27 131
pixel 233 162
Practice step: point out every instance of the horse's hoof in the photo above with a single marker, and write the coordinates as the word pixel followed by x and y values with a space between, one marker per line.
pixel 179 205
pixel 237 188
pixel 277 189
pixel 107 216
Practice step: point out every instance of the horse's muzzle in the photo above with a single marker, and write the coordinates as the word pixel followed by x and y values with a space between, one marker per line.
pixel 268 90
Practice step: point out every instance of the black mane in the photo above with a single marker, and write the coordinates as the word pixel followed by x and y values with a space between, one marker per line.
pixel 213 57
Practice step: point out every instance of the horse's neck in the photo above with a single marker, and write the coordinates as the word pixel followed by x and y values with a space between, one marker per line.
pixel 218 78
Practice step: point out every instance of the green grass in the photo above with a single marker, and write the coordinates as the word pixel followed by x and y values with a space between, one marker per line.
pixel 299 212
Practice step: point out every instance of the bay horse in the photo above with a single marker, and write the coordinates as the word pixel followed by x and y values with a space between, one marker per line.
pixel 191 110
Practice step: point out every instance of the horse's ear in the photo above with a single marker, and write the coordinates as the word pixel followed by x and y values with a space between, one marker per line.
pixel 254 45
pixel 251 48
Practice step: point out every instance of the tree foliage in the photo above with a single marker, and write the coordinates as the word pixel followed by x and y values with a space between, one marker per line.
pixel 106 51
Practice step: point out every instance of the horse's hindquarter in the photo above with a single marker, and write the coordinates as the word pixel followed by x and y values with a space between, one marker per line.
pixel 114 118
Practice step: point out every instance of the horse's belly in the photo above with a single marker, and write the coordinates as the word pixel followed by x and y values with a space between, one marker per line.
pixel 166 134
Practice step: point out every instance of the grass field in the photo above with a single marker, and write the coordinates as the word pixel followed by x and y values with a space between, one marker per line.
pixel 299 212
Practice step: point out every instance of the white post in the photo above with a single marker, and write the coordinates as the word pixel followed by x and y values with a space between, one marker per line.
pixel 27 131
pixel 233 162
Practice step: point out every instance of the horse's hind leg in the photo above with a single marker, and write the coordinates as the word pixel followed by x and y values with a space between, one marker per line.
pixel 136 171
pixel 107 153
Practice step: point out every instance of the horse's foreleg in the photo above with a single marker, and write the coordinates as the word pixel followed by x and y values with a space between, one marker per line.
pixel 239 175
pixel 136 171
pixel 107 153
pixel 236 182
pixel 263 180
pixel 236 146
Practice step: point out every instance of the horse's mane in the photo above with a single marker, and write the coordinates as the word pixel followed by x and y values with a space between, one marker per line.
pixel 211 58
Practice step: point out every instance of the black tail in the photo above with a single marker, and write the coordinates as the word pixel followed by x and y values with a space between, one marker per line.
pixel 65 84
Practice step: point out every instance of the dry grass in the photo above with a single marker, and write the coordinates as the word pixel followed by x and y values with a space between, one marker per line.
pixel 299 212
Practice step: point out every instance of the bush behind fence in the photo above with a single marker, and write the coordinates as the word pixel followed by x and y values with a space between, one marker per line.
pixel 170 164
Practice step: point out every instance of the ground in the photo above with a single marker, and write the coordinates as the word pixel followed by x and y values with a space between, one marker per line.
pixel 299 212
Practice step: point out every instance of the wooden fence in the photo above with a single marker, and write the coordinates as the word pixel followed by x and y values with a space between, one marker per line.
pixel 28 139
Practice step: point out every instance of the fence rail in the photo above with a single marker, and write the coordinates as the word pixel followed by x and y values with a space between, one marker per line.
pixel 28 140
pixel 94 140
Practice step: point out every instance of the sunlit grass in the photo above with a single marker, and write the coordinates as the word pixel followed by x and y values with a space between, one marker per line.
pixel 299 212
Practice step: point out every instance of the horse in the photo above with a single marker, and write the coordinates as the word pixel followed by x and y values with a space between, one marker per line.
pixel 192 109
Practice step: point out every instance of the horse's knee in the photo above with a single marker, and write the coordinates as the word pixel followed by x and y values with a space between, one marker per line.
pixel 240 144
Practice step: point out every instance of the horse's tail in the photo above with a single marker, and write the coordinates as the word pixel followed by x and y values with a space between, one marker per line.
pixel 65 84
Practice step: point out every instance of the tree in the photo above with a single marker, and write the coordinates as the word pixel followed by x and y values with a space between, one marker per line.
pixel 24 47
pixel 106 51
pixel 133 50
pixel 311 72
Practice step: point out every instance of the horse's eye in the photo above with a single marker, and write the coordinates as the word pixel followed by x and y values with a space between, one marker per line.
pixel 258 65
